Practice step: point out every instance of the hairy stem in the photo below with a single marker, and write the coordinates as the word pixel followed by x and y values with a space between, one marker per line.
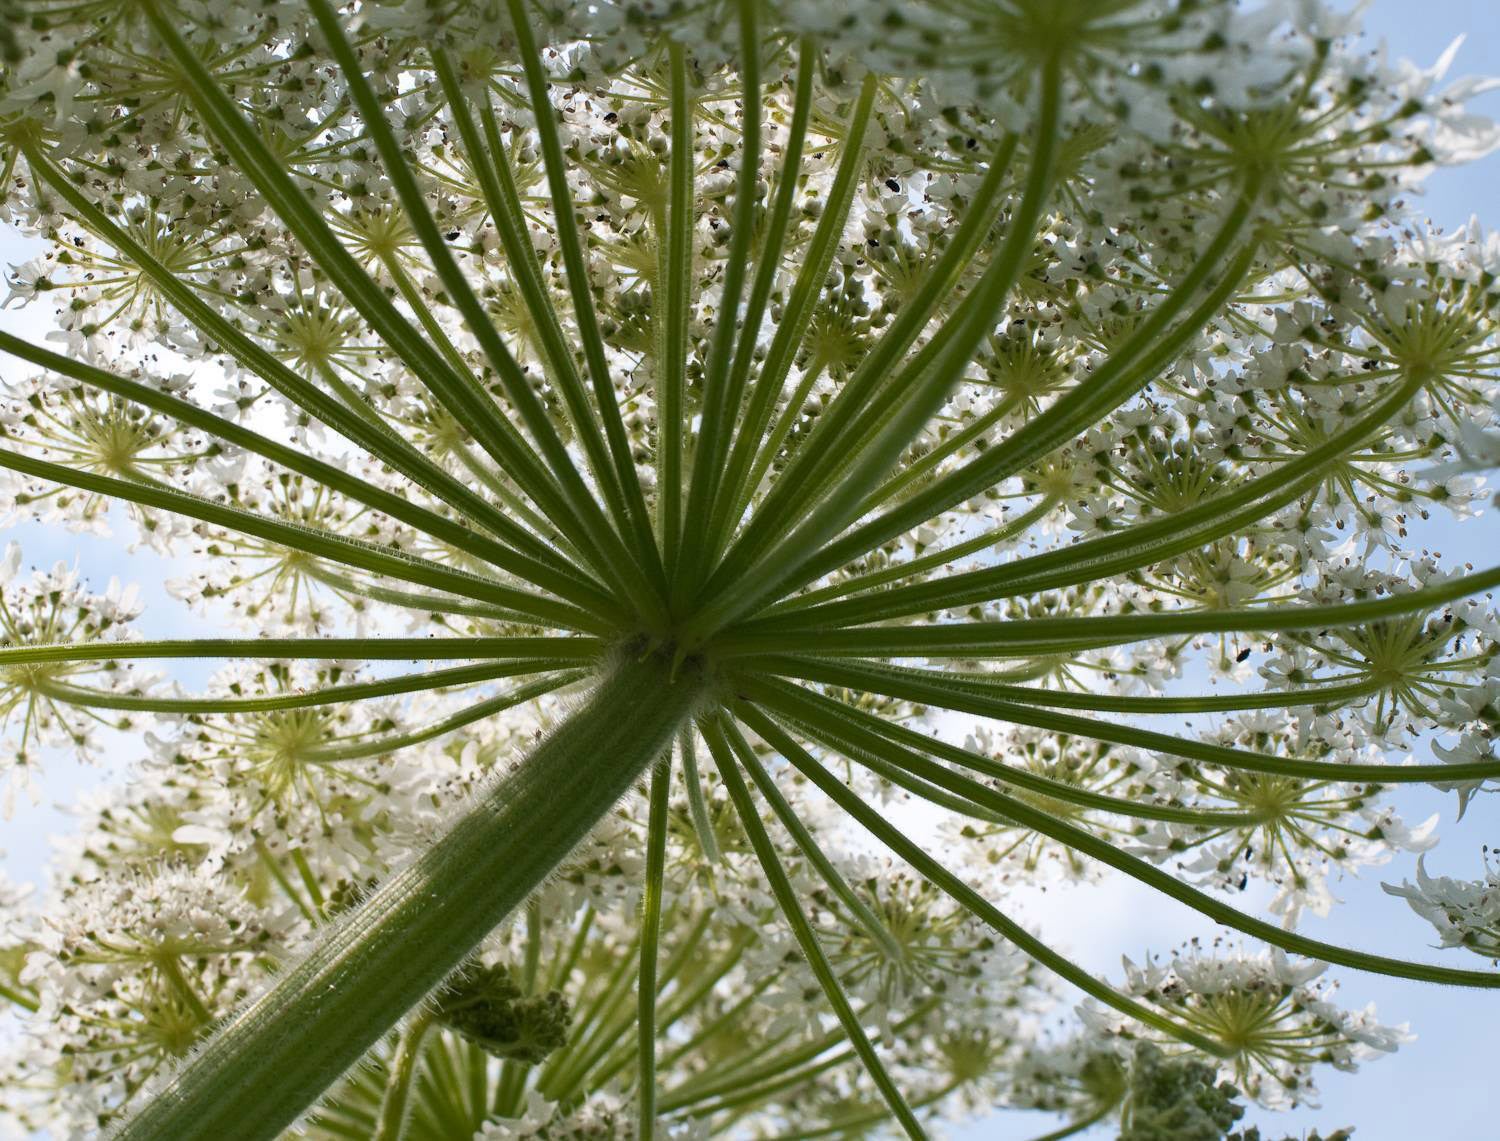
pixel 273 1058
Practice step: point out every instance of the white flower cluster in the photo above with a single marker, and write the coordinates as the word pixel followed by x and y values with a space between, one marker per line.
pixel 1466 913
pixel 1274 1014
pixel 37 701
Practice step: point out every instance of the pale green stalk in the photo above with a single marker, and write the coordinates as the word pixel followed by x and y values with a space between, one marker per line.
pixel 697 804
pixel 656 860
pixel 1128 370
pixel 326 649
pixel 579 516
pixel 403 1068
pixel 434 680
pixel 722 519
pixel 674 282
pixel 574 260
pixel 720 395
pixel 1132 547
pixel 272 1059
pixel 913 853
pixel 877 931
pixel 728 594
pixel 734 490
pixel 381 442
pixel 325 544
pixel 977 639
pixel 1106 853
pixel 807 938
pixel 491 167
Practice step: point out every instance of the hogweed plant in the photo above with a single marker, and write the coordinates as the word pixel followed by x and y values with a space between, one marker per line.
pixel 697 505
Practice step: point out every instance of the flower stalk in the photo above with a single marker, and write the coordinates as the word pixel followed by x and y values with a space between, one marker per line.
pixel 268 1063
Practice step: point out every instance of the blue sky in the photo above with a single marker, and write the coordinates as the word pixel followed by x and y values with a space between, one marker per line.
pixel 1442 1086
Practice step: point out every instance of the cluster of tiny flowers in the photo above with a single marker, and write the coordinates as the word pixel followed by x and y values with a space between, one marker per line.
pixel 127 977
pixel 1275 1015
pixel 37 706
pixel 1466 913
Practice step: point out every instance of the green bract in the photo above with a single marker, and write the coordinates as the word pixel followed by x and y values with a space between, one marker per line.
pixel 797 412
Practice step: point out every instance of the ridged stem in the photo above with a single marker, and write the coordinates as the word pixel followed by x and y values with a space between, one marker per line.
pixel 273 1058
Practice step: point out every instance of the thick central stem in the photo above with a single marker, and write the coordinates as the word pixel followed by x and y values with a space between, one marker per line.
pixel 276 1056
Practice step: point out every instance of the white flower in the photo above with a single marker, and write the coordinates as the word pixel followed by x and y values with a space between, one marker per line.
pixel 1466 913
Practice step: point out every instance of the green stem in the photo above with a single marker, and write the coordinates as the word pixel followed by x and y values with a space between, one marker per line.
pixel 746 1070
pixel 351 399
pixel 598 1029
pixel 224 117
pixel 273 869
pixel 611 1019
pixel 974 639
pixel 734 490
pixel 573 509
pixel 919 470
pixel 378 441
pixel 403 1068
pixel 334 754
pixel 333 695
pixel 722 518
pixel 1073 1128
pixel 431 604
pixel 514 502
pixel 322 544
pixel 533 957
pixel 1130 548
pixel 878 373
pixel 925 790
pixel 171 971
pixel 309 880
pixel 718 1023
pixel 272 1059
pixel 17 998
pixel 619 1055
pixel 807 938
pixel 561 970
pixel 1323 694
pixel 922 564
pixel 674 279
pixel 1021 778
pixel 491 168
pixel 1106 853
pixel 745 1098
pixel 1119 734
pixel 656 862
pixel 730 592
pixel 874 928
pixel 697 803
pixel 1126 372
pixel 791 412
pixel 720 399
pixel 961 893
pixel 575 263
pixel 853 1125
pixel 331 649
